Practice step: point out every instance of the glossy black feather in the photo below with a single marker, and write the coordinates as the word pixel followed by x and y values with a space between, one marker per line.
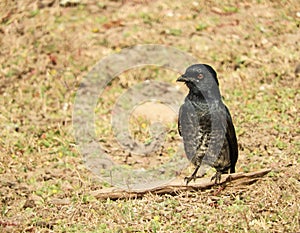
pixel 205 123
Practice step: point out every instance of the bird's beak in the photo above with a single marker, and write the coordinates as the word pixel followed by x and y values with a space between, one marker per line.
pixel 182 78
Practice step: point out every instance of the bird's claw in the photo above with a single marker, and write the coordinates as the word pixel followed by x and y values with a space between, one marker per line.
pixel 216 177
pixel 188 179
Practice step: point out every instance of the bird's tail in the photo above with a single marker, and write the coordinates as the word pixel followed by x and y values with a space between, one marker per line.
pixel 232 169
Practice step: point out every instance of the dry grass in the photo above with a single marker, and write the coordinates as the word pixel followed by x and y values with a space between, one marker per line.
pixel 45 53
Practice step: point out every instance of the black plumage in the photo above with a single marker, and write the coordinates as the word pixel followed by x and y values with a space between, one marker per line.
pixel 205 123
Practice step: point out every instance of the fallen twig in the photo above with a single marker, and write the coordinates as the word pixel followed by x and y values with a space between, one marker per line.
pixel 179 186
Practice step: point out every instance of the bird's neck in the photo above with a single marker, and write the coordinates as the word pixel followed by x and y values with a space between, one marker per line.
pixel 205 96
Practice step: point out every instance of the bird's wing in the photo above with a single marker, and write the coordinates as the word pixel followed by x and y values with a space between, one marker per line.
pixel 232 141
pixel 188 126
pixel 218 134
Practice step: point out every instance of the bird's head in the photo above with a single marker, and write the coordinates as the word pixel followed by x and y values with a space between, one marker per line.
pixel 200 78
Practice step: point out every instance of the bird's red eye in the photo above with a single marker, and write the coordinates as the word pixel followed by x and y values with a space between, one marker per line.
pixel 200 76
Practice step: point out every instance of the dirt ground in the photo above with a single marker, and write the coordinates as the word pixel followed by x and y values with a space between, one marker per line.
pixel 48 48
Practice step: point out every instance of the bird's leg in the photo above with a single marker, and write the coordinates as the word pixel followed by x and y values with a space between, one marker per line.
pixel 217 177
pixel 193 176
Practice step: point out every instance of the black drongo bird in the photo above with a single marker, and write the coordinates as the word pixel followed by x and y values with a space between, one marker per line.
pixel 205 123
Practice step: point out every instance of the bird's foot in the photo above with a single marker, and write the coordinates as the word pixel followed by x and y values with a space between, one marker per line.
pixel 188 179
pixel 217 177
